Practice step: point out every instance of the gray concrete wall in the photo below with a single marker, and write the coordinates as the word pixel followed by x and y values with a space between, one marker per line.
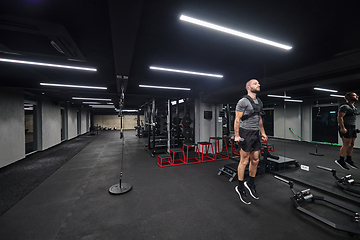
pixel 279 121
pixel 12 127
pixel 288 117
pixel 306 115
pixel 293 120
pixel 72 123
pixel 111 121
pixel 83 121
pixel 51 123
pixel 205 128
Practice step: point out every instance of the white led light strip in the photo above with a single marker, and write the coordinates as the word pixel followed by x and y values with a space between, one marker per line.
pixel 334 95
pixel 233 32
pixel 102 106
pixel 91 99
pixel 187 72
pixel 161 87
pixel 324 89
pixel 292 100
pixel 71 86
pixel 278 96
pixel 124 110
pixel 46 64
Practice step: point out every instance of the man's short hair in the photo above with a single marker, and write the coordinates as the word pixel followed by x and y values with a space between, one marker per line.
pixel 348 95
pixel 248 83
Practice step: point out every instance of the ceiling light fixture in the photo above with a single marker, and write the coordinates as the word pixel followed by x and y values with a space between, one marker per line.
pixel 91 103
pixel 292 100
pixel 102 106
pixel 187 72
pixel 278 96
pixel 324 89
pixel 161 87
pixel 334 95
pixel 47 64
pixel 71 86
pixel 233 32
pixel 129 110
pixel 92 99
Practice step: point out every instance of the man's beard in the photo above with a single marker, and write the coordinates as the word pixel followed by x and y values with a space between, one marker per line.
pixel 254 90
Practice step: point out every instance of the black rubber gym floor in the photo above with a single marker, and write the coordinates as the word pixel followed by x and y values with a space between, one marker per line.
pixel 21 177
pixel 177 202
pixel 315 177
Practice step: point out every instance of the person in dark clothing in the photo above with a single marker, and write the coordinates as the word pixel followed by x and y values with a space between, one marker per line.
pixel 249 109
pixel 347 118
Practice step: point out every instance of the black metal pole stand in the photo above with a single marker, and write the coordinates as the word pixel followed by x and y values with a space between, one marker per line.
pixel 121 187
pixel 316 152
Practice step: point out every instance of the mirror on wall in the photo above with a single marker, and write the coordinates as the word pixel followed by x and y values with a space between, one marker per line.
pixel 304 135
pixel 311 138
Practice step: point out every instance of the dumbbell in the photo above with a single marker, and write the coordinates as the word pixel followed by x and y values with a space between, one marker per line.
pixel 357 130
pixel 241 140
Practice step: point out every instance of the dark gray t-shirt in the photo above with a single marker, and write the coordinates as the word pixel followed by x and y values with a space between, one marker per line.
pixel 348 120
pixel 252 123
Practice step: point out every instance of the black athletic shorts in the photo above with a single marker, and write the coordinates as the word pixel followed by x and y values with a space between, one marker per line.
pixel 252 140
pixel 351 132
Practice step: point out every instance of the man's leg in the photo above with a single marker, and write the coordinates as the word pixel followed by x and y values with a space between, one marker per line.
pixel 250 184
pixel 244 160
pixel 348 160
pixel 254 161
pixel 240 189
pixel 343 150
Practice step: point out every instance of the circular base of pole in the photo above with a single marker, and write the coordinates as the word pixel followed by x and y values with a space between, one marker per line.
pixel 117 189
pixel 317 154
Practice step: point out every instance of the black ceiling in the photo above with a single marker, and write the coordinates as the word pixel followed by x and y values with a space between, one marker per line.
pixel 122 39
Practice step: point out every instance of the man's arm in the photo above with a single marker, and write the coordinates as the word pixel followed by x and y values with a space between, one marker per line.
pixel 262 130
pixel 340 119
pixel 238 116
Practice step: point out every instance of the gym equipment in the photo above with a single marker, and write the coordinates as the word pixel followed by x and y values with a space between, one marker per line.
pixel 307 196
pixel 164 160
pixel 194 158
pixel 180 160
pixel 347 183
pixel 231 169
pixel 316 152
pixel 220 154
pixel 205 147
pixel 121 187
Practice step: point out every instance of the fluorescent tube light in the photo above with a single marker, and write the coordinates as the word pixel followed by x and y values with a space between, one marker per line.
pixel 91 102
pixel 102 106
pixel 92 99
pixel 46 64
pixel 174 88
pixel 334 95
pixel 278 96
pixel 324 89
pixel 233 32
pixel 331 112
pixel 71 86
pixel 129 110
pixel 187 72
pixel 292 100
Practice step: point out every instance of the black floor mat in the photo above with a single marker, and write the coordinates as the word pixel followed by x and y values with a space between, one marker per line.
pixel 21 177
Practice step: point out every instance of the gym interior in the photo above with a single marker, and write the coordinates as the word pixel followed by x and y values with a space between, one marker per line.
pixel 120 161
